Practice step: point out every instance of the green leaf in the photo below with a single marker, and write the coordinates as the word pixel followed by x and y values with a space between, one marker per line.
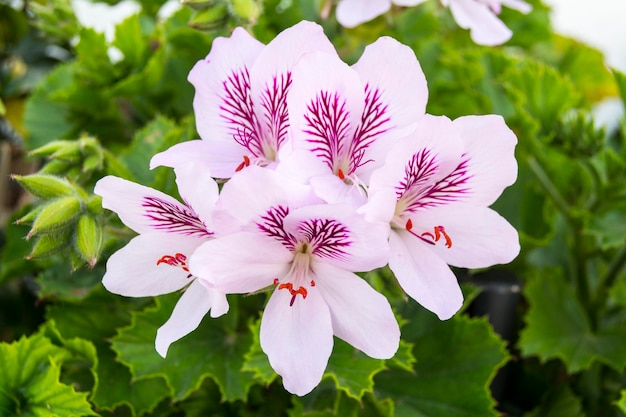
pixel 456 361
pixel 209 351
pixel 620 79
pixel 404 358
pixel 29 381
pixel 130 41
pixel 621 404
pixel 14 249
pixel 558 327
pixel 255 360
pixel 559 402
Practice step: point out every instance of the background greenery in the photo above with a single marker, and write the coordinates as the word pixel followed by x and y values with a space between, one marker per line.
pixel 72 114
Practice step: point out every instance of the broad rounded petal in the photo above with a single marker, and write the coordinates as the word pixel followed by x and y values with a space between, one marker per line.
pixel 518 5
pixel 191 308
pixel 301 165
pixel 255 190
pixel 222 86
pixel 479 236
pixel 380 206
pixel 198 189
pixel 325 107
pixel 490 155
pixel 240 263
pixel 297 339
pixel 408 3
pixel 331 189
pixel 146 210
pixel 221 157
pixel 424 276
pixel 351 13
pixel 361 316
pixel 485 27
pixel 396 95
pixel 340 236
pixel 150 264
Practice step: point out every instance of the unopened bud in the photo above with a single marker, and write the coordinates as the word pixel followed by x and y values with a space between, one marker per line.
pixel 248 10
pixel 89 239
pixel 56 215
pixel 45 186
pixel 211 18
pixel 50 244
pixel 199 4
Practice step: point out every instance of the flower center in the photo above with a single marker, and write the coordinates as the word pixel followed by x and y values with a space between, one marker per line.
pixel 439 233
pixel 298 273
pixel 177 260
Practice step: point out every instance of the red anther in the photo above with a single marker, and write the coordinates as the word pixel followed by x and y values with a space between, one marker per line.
pixel 275 281
pixel 409 224
pixel 341 175
pixel 312 283
pixel 441 231
pixel 289 286
pixel 178 259
pixel 245 163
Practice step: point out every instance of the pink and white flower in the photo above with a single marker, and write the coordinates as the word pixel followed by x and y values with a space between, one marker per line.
pixel 434 190
pixel 343 118
pixel 479 16
pixel 157 260
pixel 240 102
pixel 308 252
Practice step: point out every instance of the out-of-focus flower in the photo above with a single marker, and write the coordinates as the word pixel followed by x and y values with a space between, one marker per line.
pixel 479 16
pixel 308 251
pixel 241 99
pixel 157 260
pixel 343 118
pixel 434 190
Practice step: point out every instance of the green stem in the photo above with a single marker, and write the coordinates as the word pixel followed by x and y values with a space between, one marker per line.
pixel 608 280
pixel 549 187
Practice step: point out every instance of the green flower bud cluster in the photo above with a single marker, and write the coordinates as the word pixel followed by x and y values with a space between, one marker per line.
pixel 577 135
pixel 73 158
pixel 67 218
pixel 215 14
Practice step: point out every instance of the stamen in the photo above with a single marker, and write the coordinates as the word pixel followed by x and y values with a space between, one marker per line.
pixel 178 259
pixel 245 163
pixel 428 237
pixel 341 175
pixel 312 283
pixel 289 286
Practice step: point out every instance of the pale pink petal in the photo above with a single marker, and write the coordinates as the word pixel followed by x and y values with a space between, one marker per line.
pixel 255 190
pixel 240 263
pixel 190 309
pixel 222 82
pixel 148 265
pixel 297 339
pixel 485 27
pixel 408 3
pixel 198 189
pixel 301 165
pixel 479 236
pixel 146 210
pixel 333 190
pixel 340 237
pixel 489 149
pixel 518 5
pixel 221 157
pixel 423 275
pixel 351 13
pixel 395 96
pixel 325 107
pixel 360 315
pixel 271 78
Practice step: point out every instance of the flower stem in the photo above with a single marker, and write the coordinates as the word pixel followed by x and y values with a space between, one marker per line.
pixel 549 187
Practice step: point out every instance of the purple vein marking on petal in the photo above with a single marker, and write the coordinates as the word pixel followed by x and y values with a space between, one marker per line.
pixel 238 111
pixel 374 122
pixel 328 237
pixel 417 172
pixel 273 226
pixel 172 218
pixel 328 126
pixel 276 117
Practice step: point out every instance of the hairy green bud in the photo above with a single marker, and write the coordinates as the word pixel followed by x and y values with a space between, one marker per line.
pixel 46 186
pixel 56 215
pixel 89 239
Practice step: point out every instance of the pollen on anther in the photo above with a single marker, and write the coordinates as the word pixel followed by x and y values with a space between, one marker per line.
pixel 275 281
pixel 312 283
pixel 340 174
pixel 409 225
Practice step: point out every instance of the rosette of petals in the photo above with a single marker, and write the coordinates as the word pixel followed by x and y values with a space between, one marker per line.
pixel 435 189
pixel 351 13
pixel 481 18
pixel 157 260
pixel 307 253
pixel 240 100
pixel 344 118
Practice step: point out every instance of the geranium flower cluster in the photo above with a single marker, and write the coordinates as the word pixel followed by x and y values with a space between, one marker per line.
pixel 479 16
pixel 329 170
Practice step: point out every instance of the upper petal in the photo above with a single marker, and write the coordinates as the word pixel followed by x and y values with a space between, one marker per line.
pixel 222 103
pixel 198 189
pixel 360 315
pixel 148 265
pixel 485 27
pixel 351 13
pixel 189 311
pixel 146 210
pixel 297 339
pixel 424 276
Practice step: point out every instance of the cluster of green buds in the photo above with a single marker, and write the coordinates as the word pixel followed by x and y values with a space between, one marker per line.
pixel 215 14
pixel 578 136
pixel 66 218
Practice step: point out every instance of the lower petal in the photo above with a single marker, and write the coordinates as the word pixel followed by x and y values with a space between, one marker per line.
pixel 297 339
pixel 191 308
pixel 361 316
pixel 424 276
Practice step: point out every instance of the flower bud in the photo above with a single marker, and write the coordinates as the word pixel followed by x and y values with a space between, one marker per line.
pixel 51 244
pixel 56 215
pixel 247 10
pixel 45 186
pixel 199 4
pixel 94 204
pixel 88 239
pixel 49 148
pixel 211 18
